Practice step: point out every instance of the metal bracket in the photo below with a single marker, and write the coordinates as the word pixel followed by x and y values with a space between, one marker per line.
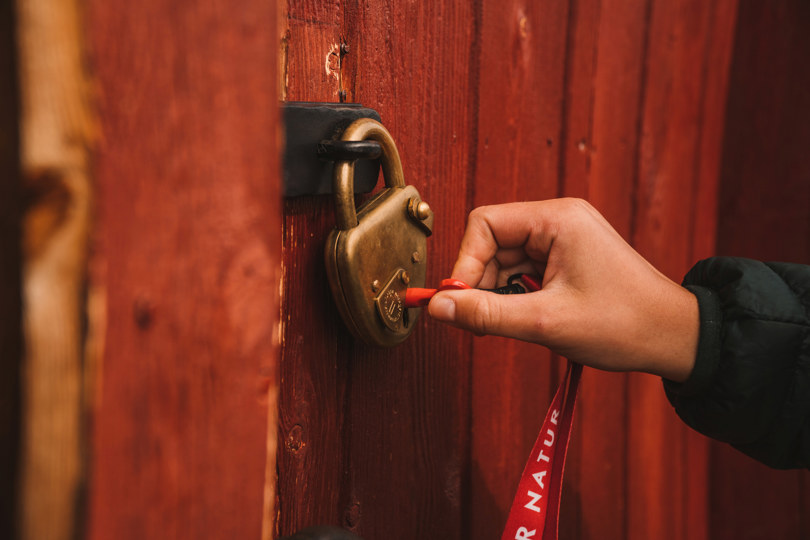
pixel 313 144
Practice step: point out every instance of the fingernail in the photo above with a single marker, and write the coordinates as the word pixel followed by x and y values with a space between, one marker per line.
pixel 442 308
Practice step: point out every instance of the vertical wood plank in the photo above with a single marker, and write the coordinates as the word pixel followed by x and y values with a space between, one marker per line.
pixel 763 201
pixel 738 508
pixel 187 253
pixel 667 498
pixel 313 371
pixel 357 421
pixel 11 205
pixel 56 131
pixel 521 70
pixel 716 68
pixel 603 87
pixel 412 62
pixel 765 193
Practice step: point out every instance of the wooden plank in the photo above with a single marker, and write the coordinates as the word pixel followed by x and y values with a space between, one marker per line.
pixel 187 252
pixel 56 132
pixel 603 87
pixel 716 69
pixel 410 61
pixel 421 388
pixel 521 69
pixel 764 175
pixel 738 508
pixel 763 200
pixel 313 372
pixel 666 494
pixel 376 440
pixel 717 66
pixel 11 206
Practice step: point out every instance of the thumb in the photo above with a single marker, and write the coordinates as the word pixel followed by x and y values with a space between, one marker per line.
pixel 520 316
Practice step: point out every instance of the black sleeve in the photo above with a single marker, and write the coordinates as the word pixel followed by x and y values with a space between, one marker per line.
pixel 751 383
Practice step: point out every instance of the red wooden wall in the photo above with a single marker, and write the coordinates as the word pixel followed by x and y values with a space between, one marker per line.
pixel 621 103
pixel 763 214
pixel 377 440
pixel 186 255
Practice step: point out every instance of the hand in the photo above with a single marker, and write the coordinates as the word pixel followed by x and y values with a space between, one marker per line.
pixel 601 304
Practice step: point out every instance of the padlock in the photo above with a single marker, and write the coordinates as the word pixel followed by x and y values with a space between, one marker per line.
pixel 379 249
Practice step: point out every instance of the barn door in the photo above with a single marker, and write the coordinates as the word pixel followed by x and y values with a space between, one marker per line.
pixel 494 101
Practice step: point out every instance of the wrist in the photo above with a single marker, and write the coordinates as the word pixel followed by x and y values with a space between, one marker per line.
pixel 675 339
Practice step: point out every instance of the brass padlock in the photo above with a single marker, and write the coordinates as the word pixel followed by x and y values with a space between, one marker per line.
pixel 378 250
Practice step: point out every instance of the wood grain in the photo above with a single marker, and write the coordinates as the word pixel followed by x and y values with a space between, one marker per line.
pixel 412 62
pixel 55 133
pixel 313 372
pixel 763 201
pixel 618 103
pixel 187 253
pixel 669 501
pixel 365 429
pixel 603 88
pixel 517 157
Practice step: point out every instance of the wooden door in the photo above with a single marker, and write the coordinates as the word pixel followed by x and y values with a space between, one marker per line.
pixel 618 102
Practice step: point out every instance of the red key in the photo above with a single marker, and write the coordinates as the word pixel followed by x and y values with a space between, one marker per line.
pixel 416 297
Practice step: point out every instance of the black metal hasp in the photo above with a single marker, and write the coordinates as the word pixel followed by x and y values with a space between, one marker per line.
pixel 313 144
pixel 349 150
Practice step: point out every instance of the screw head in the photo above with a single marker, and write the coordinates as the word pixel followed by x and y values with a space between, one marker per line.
pixel 416 257
pixel 375 285
pixel 405 277
pixel 418 209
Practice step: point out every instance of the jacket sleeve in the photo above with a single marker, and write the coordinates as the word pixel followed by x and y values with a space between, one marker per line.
pixel 750 386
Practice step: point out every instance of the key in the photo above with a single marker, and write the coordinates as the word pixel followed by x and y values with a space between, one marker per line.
pixel 417 297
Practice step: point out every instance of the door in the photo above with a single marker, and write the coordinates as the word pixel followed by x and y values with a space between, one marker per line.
pixel 619 103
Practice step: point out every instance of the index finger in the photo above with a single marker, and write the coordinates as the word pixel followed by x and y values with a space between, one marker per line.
pixel 503 227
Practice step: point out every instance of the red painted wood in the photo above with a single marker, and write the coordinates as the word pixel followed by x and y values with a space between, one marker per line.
pixel 411 62
pixel 763 201
pixel 603 88
pixel 666 496
pixel 313 373
pixel 519 128
pixel 663 194
pixel 617 102
pixel 376 440
pixel 187 250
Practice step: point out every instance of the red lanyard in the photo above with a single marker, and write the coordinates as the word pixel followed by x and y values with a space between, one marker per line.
pixel 535 510
pixel 537 502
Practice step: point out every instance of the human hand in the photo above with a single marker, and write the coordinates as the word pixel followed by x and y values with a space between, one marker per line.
pixel 601 303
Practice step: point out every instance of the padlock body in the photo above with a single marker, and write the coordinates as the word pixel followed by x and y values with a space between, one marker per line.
pixel 371 265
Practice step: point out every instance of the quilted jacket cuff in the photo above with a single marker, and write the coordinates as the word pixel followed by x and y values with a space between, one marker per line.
pixel 708 351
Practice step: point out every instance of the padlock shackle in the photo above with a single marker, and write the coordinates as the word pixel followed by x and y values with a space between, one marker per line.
pixel 343 180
